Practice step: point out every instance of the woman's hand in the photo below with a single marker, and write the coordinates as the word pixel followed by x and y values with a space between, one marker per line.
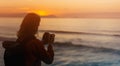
pixel 46 37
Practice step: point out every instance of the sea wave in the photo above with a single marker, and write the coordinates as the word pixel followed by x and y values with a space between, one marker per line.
pixel 95 49
pixel 97 33
pixel 85 33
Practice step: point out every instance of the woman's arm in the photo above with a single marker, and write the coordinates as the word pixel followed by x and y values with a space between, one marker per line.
pixel 48 39
pixel 35 50
pixel 46 56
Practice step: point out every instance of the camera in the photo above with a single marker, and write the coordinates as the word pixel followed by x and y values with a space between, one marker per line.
pixel 48 38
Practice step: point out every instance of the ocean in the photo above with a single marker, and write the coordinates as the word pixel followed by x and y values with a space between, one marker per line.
pixel 78 41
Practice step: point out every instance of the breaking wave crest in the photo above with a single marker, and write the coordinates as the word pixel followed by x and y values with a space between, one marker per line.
pixel 77 46
pixel 86 33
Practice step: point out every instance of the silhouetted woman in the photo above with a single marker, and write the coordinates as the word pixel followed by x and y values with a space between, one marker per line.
pixel 34 50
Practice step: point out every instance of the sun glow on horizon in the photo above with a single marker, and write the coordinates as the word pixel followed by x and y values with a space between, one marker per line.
pixel 41 12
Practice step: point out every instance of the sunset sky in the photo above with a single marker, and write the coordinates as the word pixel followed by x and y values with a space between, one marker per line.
pixel 61 7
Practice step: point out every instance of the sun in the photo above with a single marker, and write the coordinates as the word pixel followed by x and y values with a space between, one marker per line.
pixel 41 13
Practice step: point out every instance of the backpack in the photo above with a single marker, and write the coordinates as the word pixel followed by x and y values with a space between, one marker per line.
pixel 14 54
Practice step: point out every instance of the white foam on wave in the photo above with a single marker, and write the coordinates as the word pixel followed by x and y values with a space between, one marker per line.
pixel 1 54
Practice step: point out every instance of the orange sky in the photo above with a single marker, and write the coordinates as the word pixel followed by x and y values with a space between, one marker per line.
pixel 59 7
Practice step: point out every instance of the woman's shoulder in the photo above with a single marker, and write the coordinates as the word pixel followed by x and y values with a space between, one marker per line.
pixel 35 41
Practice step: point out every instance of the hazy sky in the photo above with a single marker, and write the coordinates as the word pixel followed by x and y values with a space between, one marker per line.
pixel 60 7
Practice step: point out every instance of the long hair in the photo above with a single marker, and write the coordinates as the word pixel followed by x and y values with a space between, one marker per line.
pixel 29 26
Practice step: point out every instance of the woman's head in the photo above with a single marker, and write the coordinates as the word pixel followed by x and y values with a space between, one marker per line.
pixel 29 26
